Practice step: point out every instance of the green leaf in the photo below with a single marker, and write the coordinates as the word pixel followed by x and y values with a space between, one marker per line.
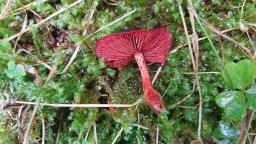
pixel 225 130
pixel 251 96
pixel 240 75
pixel 233 103
pixel 15 71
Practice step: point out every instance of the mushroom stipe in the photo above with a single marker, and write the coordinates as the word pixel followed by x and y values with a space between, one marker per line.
pixel 117 50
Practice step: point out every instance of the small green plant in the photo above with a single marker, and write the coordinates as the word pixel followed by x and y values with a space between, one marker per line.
pixel 239 78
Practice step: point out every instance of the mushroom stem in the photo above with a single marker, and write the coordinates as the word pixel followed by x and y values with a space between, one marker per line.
pixel 151 95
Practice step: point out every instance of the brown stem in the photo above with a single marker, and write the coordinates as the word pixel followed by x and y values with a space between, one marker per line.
pixel 151 95
pixel 248 119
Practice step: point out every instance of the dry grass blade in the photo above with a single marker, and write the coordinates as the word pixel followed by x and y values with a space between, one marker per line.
pixel 33 72
pixel 118 135
pixel 52 73
pixel 218 32
pixel 76 105
pixel 78 45
pixel 199 39
pixel 24 25
pixel 157 134
pixel 29 124
pixel 25 7
pixel 196 52
pixel 43 131
pixel 157 73
pixel 191 55
pixel 6 9
pixel 190 73
pixel 46 19
pixel 87 134
pixel 95 133
pixel 184 99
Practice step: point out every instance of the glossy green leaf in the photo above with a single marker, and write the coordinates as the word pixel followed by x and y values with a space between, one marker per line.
pixel 233 103
pixel 251 96
pixel 225 130
pixel 240 75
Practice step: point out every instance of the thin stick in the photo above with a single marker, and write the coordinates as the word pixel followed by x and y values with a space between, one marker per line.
pixel 76 105
pixel 25 7
pixel 6 9
pixel 196 51
pixel 157 73
pixel 250 40
pixel 242 11
pixel 43 131
pixel 140 126
pixel 30 123
pixel 200 39
pixel 192 73
pixel 179 102
pixel 78 45
pixel 191 55
pixel 46 19
pixel 24 25
pixel 244 133
pixel 87 134
pixel 186 32
pixel 95 133
pixel 167 89
pixel 211 27
pixel 118 135
pixel 194 62
pixel 157 134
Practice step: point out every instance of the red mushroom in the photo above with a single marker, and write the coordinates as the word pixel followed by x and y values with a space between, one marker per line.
pixel 117 50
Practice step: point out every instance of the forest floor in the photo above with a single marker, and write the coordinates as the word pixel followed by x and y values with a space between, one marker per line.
pixel 53 88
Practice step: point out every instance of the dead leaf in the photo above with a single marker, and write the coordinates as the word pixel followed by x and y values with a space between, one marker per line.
pixel 33 72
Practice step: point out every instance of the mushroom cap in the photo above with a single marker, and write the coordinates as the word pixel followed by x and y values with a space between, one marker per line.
pixel 117 50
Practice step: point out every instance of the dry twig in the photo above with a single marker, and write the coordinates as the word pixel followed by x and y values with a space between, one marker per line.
pixel 218 32
pixel 95 133
pixel 46 19
pixel 6 9
pixel 24 25
pixel 244 133
pixel 78 45
pixel 43 130
pixel 25 7
pixel 199 39
pixel 118 135
pixel 29 124
pixel 196 52
pixel 157 134
pixel 75 105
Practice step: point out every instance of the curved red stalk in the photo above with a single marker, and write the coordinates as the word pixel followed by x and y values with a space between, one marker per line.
pixel 151 95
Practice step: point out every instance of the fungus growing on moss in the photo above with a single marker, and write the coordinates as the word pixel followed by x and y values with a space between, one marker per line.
pixel 117 50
